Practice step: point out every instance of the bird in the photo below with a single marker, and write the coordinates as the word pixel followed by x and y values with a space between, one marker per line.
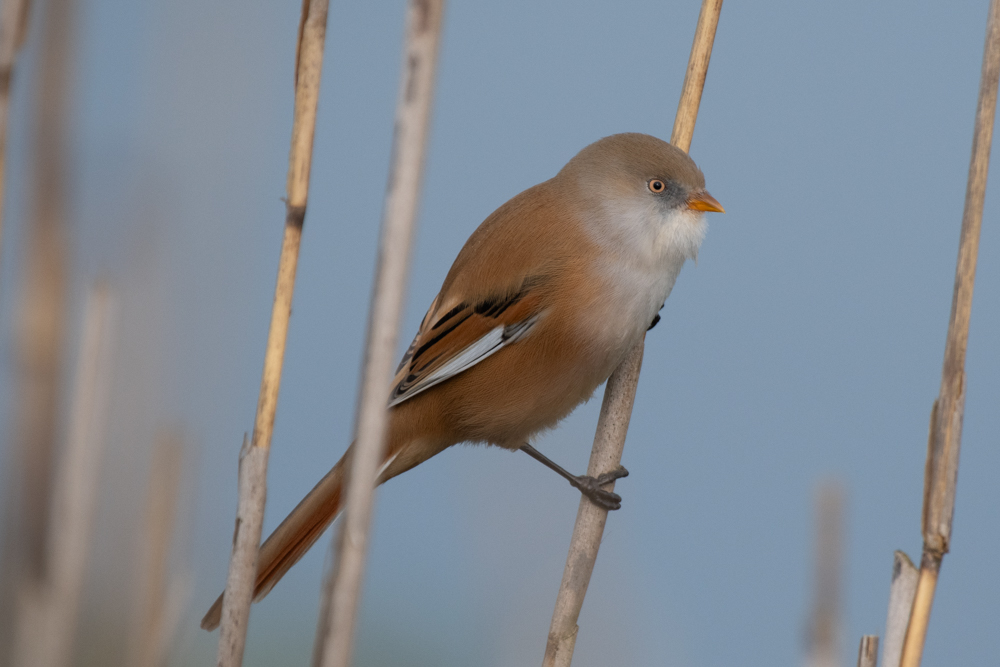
pixel 543 302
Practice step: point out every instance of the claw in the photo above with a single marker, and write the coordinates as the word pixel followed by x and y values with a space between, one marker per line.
pixel 588 486
pixel 609 477
pixel 591 487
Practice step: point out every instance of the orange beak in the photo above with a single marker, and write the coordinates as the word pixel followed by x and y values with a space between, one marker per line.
pixel 702 201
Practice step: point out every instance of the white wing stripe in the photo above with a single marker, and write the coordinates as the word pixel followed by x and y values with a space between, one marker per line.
pixel 478 350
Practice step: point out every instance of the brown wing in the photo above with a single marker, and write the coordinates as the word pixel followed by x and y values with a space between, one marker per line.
pixel 455 337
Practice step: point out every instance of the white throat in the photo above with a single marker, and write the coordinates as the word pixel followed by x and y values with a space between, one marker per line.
pixel 643 233
pixel 645 248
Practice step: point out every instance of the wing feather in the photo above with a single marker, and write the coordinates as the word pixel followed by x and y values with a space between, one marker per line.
pixel 464 334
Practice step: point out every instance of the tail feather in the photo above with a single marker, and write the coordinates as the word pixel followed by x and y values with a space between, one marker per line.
pixel 292 539
pixel 300 529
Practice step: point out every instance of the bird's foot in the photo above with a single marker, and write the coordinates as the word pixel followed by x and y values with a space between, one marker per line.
pixel 591 487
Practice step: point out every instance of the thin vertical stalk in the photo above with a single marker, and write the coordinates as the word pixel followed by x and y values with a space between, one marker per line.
pixel 43 306
pixel 254 455
pixel 40 334
pixel 154 603
pixel 590 518
pixel 13 29
pixel 413 112
pixel 868 651
pixel 47 626
pixel 901 592
pixel 829 549
pixel 326 595
pixel 697 71
pixel 945 439
pixel 619 394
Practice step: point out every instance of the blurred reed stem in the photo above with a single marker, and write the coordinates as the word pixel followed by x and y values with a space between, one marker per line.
pixel 825 625
pixel 335 638
pixel 901 591
pixel 39 332
pixel 619 394
pixel 13 30
pixel 868 651
pixel 157 603
pixel 945 439
pixel 253 457
pixel 47 622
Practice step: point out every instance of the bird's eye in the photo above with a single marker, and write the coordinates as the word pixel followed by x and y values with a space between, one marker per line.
pixel 656 186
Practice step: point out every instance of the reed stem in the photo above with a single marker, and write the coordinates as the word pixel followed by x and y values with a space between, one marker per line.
pixel 254 454
pixel 334 642
pixel 619 394
pixel 945 438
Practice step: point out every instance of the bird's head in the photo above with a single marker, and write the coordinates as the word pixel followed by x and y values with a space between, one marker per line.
pixel 637 188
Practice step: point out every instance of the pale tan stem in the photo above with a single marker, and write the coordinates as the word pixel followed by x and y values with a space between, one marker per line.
pixel 901 593
pixel 153 624
pixel 44 285
pixel 825 631
pixel 920 616
pixel 40 329
pixel 253 457
pixel 243 561
pixel 868 651
pixel 413 111
pixel 13 28
pixel 47 626
pixel 694 78
pixel 609 441
pixel 616 410
pixel 945 437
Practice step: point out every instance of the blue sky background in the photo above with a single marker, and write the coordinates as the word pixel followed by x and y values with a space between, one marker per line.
pixel 805 345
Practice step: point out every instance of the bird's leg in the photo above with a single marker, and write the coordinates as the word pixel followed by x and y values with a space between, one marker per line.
pixel 588 486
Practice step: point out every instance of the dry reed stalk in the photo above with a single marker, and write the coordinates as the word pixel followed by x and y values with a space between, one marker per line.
pixel 868 651
pixel 13 30
pixel 253 455
pixel 619 394
pixel 326 594
pixel 945 437
pixel 40 336
pixel 694 78
pixel 154 602
pixel 825 629
pixel 901 592
pixel 43 306
pixel 413 111
pixel 47 625
pixel 590 518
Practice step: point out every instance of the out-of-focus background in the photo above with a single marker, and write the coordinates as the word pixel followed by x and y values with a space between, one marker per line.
pixel 805 344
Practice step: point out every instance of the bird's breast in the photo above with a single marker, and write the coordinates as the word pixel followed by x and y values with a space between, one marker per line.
pixel 642 251
pixel 623 300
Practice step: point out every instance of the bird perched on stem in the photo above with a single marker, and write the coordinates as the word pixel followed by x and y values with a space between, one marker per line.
pixel 541 305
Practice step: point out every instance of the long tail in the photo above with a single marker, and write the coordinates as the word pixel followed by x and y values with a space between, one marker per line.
pixel 299 531
pixel 292 539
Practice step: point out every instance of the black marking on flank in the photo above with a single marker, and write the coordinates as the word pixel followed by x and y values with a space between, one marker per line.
pixel 656 320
